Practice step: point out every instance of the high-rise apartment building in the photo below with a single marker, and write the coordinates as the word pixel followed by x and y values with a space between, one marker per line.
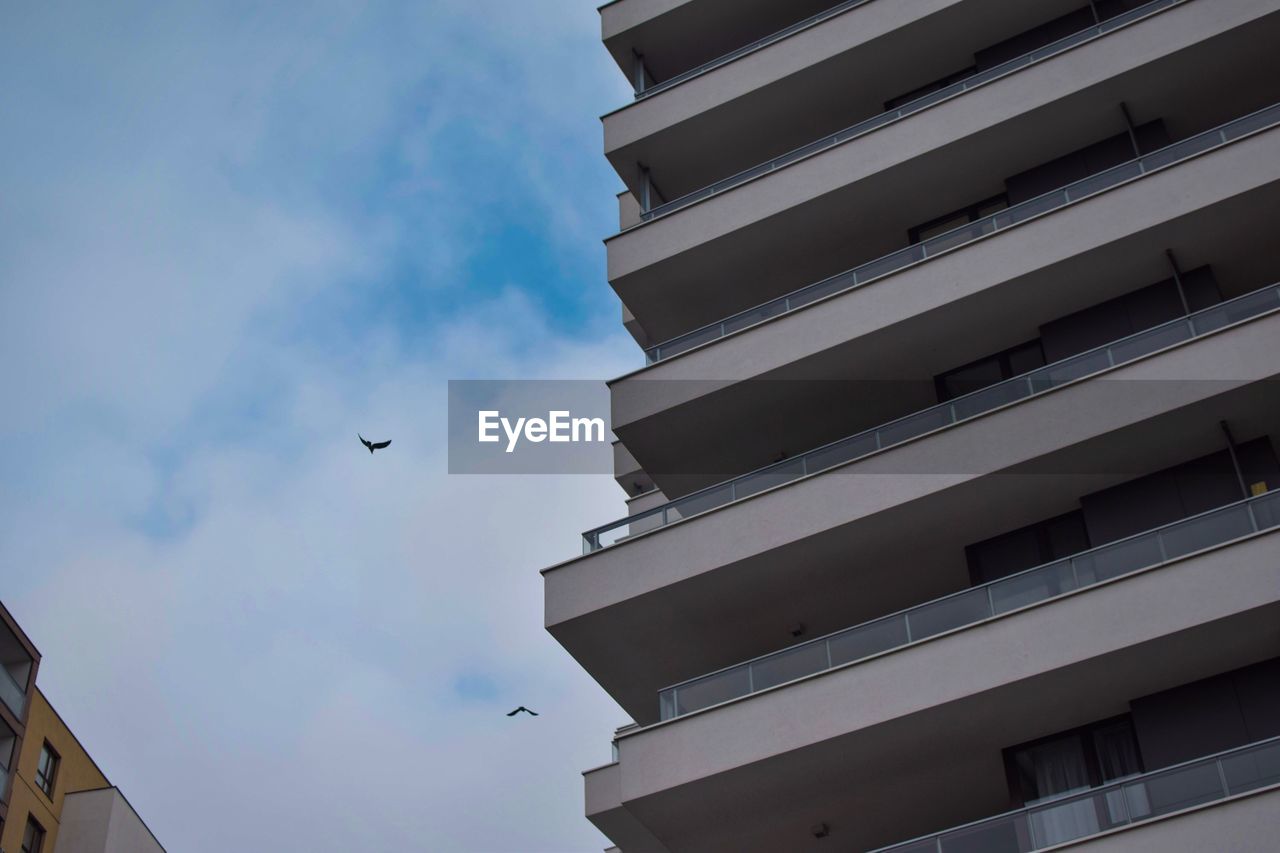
pixel 55 798
pixel 952 470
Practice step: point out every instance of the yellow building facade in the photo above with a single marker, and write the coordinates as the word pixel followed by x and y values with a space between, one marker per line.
pixel 75 771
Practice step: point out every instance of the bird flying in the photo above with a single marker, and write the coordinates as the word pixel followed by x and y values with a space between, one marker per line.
pixel 373 445
pixel 526 710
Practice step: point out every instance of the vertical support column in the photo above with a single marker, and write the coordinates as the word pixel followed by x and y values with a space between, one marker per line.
pixel 1093 7
pixel 1128 123
pixel 638 74
pixel 1177 280
pixel 1235 460
pixel 646 189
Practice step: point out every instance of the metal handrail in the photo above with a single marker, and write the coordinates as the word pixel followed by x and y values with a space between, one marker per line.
pixel 940 416
pixel 1011 216
pixel 984 594
pixel 867 125
pixel 1117 793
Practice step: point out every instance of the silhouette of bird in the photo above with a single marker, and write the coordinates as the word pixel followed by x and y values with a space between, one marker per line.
pixel 373 445
pixel 526 710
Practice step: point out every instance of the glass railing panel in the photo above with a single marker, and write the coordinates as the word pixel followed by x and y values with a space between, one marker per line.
pixel 1059 823
pixel 1181 150
pixel 929 845
pixel 1241 308
pixel 1111 561
pixel 12 693
pixel 1069 370
pixel 700 502
pixel 1255 121
pixel 949 613
pixel 750 318
pixel 1174 790
pixel 915 425
pixel 713 690
pixel 1032 207
pixel 843 451
pixel 957 237
pixel 814 292
pixel 1003 835
pixel 890 263
pixel 1000 394
pixel 1133 15
pixel 1207 530
pixel 1064 43
pixel 789 665
pixel 1000 70
pixel 867 640
pixel 1072 817
pixel 770 477
pixel 1032 586
pixel 1150 341
pixel 868 125
pixel 1103 181
pixel 1255 769
pixel 1266 509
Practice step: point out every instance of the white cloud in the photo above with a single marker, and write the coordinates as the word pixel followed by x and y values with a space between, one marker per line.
pixel 256 627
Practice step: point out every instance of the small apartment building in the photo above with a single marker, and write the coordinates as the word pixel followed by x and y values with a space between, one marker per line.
pixel 57 799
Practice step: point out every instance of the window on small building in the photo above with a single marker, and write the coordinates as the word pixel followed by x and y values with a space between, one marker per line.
pixel 47 769
pixel 33 838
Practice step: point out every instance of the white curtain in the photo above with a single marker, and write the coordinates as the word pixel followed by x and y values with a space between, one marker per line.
pixel 1060 770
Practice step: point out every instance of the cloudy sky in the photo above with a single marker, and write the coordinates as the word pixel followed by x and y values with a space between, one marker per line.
pixel 232 235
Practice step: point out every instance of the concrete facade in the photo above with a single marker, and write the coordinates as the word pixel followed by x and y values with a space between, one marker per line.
pixel 1082 715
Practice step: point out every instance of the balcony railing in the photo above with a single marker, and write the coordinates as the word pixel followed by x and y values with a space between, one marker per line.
pixel 976 604
pixel 1109 807
pixel 749 48
pixel 941 416
pixel 1007 218
pixel 12 693
pixel 867 125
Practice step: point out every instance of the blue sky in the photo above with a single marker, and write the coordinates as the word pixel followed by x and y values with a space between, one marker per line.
pixel 231 236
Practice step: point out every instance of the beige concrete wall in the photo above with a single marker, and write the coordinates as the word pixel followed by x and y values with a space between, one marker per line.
pixel 102 821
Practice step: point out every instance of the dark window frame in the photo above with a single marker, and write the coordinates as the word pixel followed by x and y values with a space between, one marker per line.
pixel 1018 794
pixel 1004 358
pixel 970 213
pixel 47 776
pixel 33 836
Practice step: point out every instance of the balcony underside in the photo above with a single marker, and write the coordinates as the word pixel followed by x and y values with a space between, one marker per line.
pixel 888 531
pixel 675 36
pixel 925 726
pixel 1193 66
pixel 818 374
pixel 789 93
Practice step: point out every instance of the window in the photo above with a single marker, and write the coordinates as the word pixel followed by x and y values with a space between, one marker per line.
pixel 985 372
pixel 47 769
pixel 943 224
pixel 1073 761
pixel 33 838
